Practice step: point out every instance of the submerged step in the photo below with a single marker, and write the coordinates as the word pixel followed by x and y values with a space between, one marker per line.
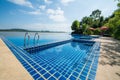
pixel 38 48
pixel 35 49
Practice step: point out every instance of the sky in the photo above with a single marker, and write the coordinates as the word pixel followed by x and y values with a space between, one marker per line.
pixel 52 15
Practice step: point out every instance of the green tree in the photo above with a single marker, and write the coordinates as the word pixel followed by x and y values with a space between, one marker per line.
pixel 117 33
pixel 114 23
pixel 95 14
pixel 86 20
pixel 75 26
pixel 118 5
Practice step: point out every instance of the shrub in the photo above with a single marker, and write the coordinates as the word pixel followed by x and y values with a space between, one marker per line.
pixel 97 31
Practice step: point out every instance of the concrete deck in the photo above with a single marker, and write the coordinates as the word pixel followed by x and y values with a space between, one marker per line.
pixel 109 61
pixel 10 67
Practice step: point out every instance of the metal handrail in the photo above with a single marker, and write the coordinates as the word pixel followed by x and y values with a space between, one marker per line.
pixel 36 40
pixel 25 37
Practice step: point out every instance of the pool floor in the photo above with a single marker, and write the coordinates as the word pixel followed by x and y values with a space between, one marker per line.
pixel 73 60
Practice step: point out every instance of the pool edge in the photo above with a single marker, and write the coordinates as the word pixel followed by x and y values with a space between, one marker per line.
pixel 10 67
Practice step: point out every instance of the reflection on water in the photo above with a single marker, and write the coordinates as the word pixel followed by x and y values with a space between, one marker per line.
pixel 80 45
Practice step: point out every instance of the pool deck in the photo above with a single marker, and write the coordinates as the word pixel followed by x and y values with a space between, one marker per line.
pixel 109 61
pixel 10 67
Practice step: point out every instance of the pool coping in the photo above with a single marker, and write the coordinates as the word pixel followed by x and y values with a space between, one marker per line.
pixel 10 67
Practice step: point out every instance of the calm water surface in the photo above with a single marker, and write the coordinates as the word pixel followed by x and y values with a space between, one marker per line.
pixel 17 38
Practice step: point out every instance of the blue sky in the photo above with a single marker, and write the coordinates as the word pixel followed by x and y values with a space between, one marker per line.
pixel 53 15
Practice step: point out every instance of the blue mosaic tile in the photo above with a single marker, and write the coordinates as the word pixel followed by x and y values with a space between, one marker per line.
pixel 51 78
pixel 33 72
pixel 52 71
pixel 47 75
pixel 72 78
pixel 75 74
pixel 82 77
pixel 57 74
pixel 36 76
pixel 62 78
pixel 41 79
pixel 91 77
pixel 42 72
pixel 39 69
pixel 30 69
pixel 66 75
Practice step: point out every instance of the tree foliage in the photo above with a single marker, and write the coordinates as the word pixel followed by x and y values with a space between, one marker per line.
pixel 95 20
pixel 114 24
pixel 75 25
pixel 95 14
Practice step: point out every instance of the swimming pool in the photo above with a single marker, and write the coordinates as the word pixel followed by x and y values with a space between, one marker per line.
pixel 72 59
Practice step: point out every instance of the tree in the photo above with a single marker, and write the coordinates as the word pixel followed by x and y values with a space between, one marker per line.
pixel 101 21
pixel 114 24
pixel 75 26
pixel 96 14
pixel 118 5
pixel 87 20
pixel 117 33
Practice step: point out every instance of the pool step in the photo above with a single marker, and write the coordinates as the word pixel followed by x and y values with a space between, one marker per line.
pixel 35 49
pixel 38 48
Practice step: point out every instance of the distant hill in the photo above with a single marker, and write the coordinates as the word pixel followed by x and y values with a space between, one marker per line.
pixel 24 30
pixel 19 30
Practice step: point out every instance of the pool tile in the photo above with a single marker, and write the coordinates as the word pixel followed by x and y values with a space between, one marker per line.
pixel 82 77
pixel 75 74
pixel 66 75
pixel 42 72
pixel 39 69
pixel 30 69
pixel 62 78
pixel 72 78
pixel 40 79
pixel 52 71
pixel 48 68
pixel 51 78
pixel 57 74
pixel 36 76
pixel 33 72
pixel 47 75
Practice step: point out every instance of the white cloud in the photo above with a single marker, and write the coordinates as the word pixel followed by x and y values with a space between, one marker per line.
pixel 48 1
pixel 56 15
pixel 22 3
pixel 66 2
pixel 42 7
pixel 35 12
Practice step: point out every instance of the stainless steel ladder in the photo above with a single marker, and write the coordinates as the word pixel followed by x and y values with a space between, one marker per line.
pixel 26 39
pixel 36 40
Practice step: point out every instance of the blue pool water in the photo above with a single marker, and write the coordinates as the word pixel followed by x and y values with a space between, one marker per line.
pixel 74 59
pixel 18 38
